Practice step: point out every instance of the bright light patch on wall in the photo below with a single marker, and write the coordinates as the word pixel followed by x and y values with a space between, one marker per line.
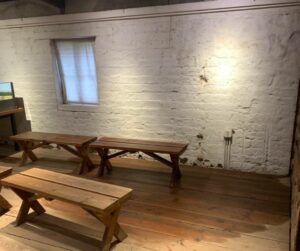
pixel 225 60
pixel 224 73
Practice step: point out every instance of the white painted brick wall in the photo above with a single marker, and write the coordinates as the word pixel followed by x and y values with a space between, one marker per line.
pixel 152 82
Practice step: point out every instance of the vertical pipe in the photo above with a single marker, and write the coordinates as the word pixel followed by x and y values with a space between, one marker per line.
pixel 225 153
pixel 229 152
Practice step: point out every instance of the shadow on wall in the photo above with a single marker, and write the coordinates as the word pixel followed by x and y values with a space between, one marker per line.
pixel 26 8
pixel 77 6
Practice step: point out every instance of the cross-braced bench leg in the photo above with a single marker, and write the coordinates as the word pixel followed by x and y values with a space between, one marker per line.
pixel 27 203
pixel 27 152
pixel 104 161
pixel 110 230
pixel 86 163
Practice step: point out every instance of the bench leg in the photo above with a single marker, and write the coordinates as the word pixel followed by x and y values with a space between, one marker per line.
pixel 26 205
pixel 110 230
pixel 103 153
pixel 4 204
pixel 176 174
pixel 119 233
pixel 27 152
pixel 86 163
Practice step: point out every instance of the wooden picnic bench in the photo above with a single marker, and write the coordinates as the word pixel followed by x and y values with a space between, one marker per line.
pixel 4 172
pixel 101 200
pixel 151 148
pixel 77 145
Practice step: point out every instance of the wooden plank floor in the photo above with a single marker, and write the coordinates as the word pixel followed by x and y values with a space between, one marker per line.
pixel 213 210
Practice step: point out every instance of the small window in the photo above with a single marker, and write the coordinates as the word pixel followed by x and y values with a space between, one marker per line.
pixel 76 71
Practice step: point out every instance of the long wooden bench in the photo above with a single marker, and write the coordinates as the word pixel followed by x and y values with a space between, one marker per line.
pixel 77 145
pixel 151 148
pixel 103 201
pixel 4 172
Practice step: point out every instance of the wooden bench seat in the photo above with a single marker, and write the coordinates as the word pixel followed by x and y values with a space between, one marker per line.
pixel 101 200
pixel 151 148
pixel 4 172
pixel 77 145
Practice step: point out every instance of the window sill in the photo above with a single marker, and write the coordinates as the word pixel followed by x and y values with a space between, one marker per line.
pixel 78 107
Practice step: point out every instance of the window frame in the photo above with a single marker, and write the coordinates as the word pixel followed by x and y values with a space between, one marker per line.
pixel 59 82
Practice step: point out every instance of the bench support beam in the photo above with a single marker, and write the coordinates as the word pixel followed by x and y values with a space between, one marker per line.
pixel 70 150
pixel 160 159
pixel 174 163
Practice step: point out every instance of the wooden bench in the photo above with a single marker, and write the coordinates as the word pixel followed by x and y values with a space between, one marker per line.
pixel 103 201
pixel 150 148
pixel 4 172
pixel 77 145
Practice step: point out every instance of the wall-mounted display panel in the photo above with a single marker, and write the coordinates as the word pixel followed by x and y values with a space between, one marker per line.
pixel 6 91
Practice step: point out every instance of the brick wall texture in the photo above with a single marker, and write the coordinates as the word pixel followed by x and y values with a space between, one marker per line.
pixel 185 78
